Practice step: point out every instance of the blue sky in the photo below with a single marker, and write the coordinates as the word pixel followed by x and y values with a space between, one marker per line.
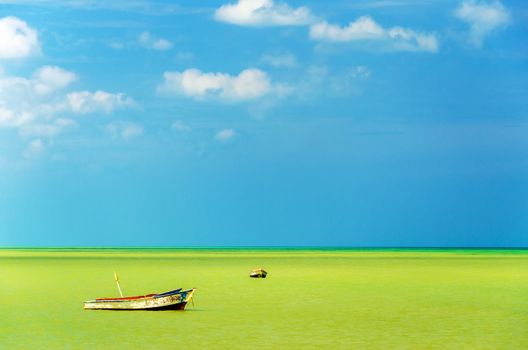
pixel 260 122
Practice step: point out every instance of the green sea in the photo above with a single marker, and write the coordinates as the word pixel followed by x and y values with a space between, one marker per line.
pixel 312 299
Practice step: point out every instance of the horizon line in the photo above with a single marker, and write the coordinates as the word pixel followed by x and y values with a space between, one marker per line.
pixel 278 247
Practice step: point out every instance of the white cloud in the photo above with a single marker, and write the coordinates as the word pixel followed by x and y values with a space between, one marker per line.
pixel 50 78
pixel 162 44
pixel 373 4
pixel 482 18
pixel 34 148
pixel 183 56
pixel 117 45
pixel 149 42
pixel 225 135
pixel 180 126
pixel 347 82
pixel 48 130
pixel 366 29
pixel 12 119
pixel 84 102
pixel 17 39
pixel 124 130
pixel 249 84
pixel 263 13
pixel 46 80
pixel 36 105
pixel 363 28
pixel 37 109
pixel 286 60
pixel 319 80
pixel 359 72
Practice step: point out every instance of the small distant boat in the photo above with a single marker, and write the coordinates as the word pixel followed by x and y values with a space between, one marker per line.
pixel 173 300
pixel 258 273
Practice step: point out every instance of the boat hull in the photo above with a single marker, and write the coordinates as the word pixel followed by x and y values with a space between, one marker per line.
pixel 258 273
pixel 164 301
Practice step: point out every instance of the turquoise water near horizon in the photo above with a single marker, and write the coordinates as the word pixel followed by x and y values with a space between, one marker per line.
pixel 313 298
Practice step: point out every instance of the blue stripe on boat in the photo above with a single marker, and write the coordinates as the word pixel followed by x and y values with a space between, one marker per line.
pixel 175 291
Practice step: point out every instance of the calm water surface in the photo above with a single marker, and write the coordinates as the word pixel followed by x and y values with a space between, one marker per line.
pixel 311 299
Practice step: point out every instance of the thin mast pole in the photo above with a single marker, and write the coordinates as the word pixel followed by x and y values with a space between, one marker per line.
pixel 118 285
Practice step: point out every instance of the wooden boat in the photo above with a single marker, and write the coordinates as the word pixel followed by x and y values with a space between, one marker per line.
pixel 258 273
pixel 172 300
